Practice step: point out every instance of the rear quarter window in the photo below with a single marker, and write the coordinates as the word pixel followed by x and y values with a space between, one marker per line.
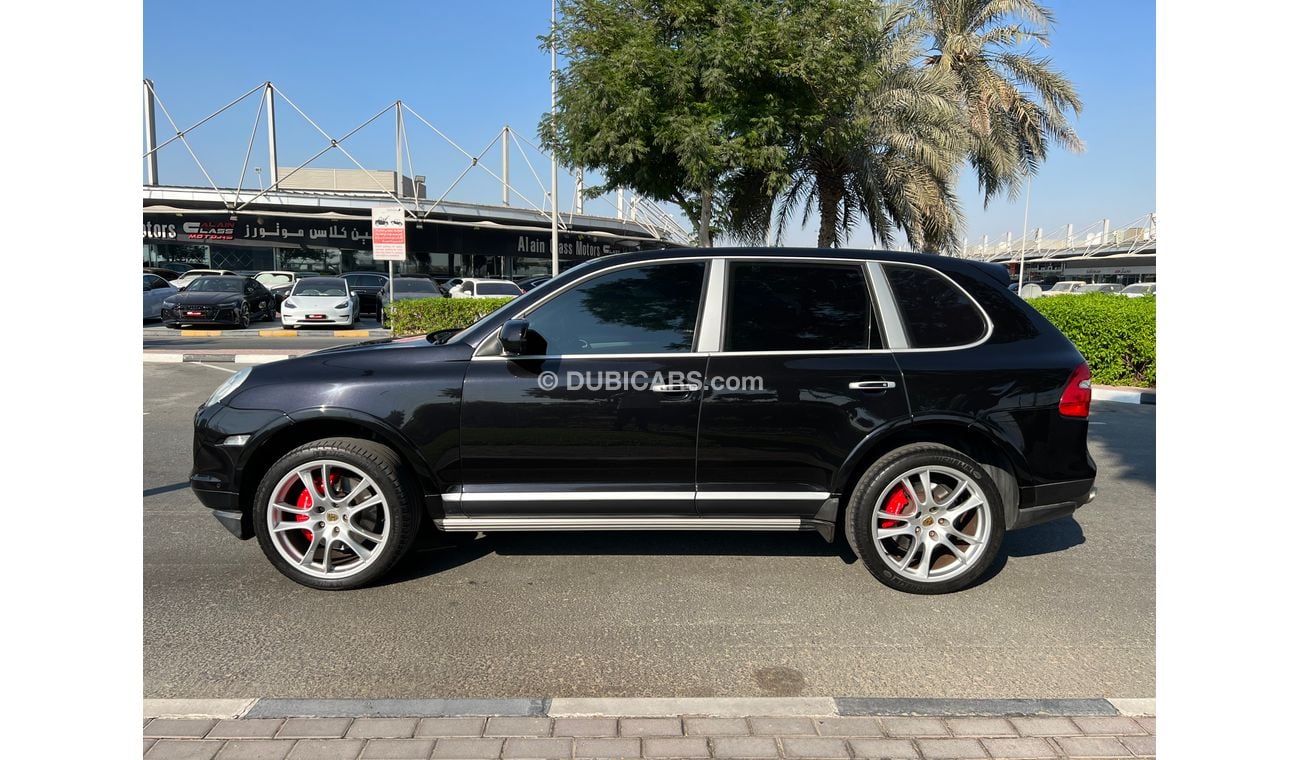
pixel 935 313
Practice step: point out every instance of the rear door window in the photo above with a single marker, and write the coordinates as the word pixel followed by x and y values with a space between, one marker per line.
pixel 935 313
pixel 779 306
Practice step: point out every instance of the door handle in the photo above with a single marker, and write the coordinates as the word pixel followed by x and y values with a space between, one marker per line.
pixel 676 387
pixel 872 385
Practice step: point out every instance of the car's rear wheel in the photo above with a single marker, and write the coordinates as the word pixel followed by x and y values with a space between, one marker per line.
pixel 337 513
pixel 926 519
pixel 245 319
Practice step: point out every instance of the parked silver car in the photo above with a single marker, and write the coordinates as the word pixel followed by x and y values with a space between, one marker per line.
pixel 156 290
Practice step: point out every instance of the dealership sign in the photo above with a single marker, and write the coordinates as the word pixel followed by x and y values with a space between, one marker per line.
pixel 389 235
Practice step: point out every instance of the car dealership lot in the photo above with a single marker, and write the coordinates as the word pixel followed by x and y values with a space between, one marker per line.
pixel 1071 612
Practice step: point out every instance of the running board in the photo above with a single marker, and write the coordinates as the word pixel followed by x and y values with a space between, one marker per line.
pixel 454 524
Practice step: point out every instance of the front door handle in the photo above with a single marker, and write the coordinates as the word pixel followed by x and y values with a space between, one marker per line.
pixel 676 387
pixel 872 385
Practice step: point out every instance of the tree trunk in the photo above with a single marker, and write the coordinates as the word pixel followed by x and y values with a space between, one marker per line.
pixel 830 192
pixel 706 217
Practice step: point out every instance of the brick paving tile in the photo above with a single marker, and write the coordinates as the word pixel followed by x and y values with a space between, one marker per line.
pixel 1148 724
pixel 1045 726
pixel 179 728
pixel 1092 746
pixel 717 726
pixel 518 727
pixel 914 727
pixel 849 727
pixel 468 749
pixel 1114 725
pixel 383 728
pixel 732 747
pixel 603 748
pixel 819 747
pixel 951 749
pixel 450 727
pixel 314 728
pixel 1014 749
pixel 585 727
pixel 675 746
pixel 1142 746
pixel 246 728
pixel 782 727
pixel 256 749
pixel 650 726
pixel 532 748
pixel 893 749
pixel 183 749
pixel 979 727
pixel 397 749
pixel 326 749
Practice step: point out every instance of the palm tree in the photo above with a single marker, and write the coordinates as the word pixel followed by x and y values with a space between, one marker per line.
pixel 872 137
pixel 1015 102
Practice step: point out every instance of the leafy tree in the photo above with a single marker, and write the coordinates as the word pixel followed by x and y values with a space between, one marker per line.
pixel 662 96
pixel 982 42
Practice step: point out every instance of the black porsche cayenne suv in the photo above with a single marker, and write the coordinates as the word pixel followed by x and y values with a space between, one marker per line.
pixel 907 400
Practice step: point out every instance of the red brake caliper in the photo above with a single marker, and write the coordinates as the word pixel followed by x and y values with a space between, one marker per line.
pixel 304 500
pixel 895 505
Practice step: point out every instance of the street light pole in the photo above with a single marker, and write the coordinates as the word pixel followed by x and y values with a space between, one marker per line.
pixel 555 170
pixel 1024 234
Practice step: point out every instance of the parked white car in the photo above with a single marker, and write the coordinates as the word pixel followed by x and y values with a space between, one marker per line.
pixel 184 280
pixel 320 301
pixel 483 288
pixel 1139 289
pixel 1100 287
pixel 1065 287
pixel 156 290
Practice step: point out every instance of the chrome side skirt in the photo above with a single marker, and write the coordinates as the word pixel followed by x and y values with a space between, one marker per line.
pixel 625 523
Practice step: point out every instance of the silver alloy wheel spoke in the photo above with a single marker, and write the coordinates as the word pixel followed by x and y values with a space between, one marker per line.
pixel 356 491
pixel 951 516
pixel 367 504
pixel 958 553
pixel 893 532
pixel 367 535
pixel 971 503
pixel 954 495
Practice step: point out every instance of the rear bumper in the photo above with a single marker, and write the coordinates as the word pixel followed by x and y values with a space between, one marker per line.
pixel 1052 501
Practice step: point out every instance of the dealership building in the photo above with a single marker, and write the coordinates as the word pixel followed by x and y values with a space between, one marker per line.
pixel 1096 253
pixel 319 220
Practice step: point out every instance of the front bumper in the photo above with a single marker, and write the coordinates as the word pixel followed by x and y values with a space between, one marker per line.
pixel 201 315
pixel 293 317
pixel 218 468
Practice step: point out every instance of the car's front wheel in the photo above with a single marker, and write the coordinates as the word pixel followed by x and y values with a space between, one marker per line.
pixel 336 513
pixel 926 519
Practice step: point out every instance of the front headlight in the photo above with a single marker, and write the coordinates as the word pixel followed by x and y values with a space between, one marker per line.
pixel 289 305
pixel 169 304
pixel 343 305
pixel 228 387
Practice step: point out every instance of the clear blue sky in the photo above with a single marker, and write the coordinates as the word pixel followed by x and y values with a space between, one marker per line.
pixel 470 67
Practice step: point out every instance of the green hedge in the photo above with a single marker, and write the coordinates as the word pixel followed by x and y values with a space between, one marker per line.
pixel 425 315
pixel 1116 334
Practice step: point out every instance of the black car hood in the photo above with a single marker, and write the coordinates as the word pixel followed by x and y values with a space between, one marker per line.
pixel 206 298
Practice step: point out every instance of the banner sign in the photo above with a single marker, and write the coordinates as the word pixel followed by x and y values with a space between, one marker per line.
pixel 389 223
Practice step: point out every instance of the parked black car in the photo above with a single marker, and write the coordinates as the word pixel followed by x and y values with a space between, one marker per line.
pixel 408 289
pixel 367 285
pixel 908 400
pixel 228 300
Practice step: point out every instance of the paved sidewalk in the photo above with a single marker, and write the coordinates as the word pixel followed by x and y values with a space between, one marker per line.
pixel 753 737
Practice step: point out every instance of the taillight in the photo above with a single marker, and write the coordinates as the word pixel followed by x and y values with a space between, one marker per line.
pixel 1078 393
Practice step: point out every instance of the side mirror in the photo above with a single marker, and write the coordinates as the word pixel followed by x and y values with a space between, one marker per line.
pixel 513 335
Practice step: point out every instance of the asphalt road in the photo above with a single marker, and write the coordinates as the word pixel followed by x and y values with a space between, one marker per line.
pixel 1070 612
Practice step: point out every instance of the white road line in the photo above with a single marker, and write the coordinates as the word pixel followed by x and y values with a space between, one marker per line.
pixel 213 366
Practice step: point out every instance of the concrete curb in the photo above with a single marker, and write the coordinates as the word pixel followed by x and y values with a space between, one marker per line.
pixel 226 709
pixel 1124 395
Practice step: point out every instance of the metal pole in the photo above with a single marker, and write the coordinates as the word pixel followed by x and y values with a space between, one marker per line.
pixel 619 203
pixel 270 136
pixel 1024 234
pixel 150 134
pixel 397 142
pixel 555 168
pixel 577 196
pixel 505 165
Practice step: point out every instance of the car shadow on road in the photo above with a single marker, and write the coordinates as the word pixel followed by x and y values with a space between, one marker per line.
pixel 432 558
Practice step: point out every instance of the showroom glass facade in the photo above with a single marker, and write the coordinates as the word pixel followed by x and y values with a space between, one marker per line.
pixel 336 260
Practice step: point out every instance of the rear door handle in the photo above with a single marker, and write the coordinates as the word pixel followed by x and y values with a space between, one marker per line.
pixel 872 385
pixel 676 387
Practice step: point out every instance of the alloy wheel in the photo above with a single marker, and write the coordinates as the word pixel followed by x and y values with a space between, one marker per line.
pixel 328 519
pixel 931 524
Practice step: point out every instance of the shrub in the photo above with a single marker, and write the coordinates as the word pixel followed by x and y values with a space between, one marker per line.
pixel 425 315
pixel 1116 334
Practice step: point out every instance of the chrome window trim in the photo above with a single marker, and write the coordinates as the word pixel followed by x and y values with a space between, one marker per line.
pixel 988 321
pixel 761 495
pixel 527 523
pixel 461 497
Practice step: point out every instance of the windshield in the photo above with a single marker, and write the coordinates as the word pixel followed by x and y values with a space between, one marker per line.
pixel 274 278
pixel 414 286
pixel 1140 288
pixel 1064 286
pixel 498 289
pixel 217 285
pixel 320 286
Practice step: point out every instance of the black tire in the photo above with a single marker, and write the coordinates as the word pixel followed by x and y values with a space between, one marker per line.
pixel 871 489
pixel 245 319
pixel 384 467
